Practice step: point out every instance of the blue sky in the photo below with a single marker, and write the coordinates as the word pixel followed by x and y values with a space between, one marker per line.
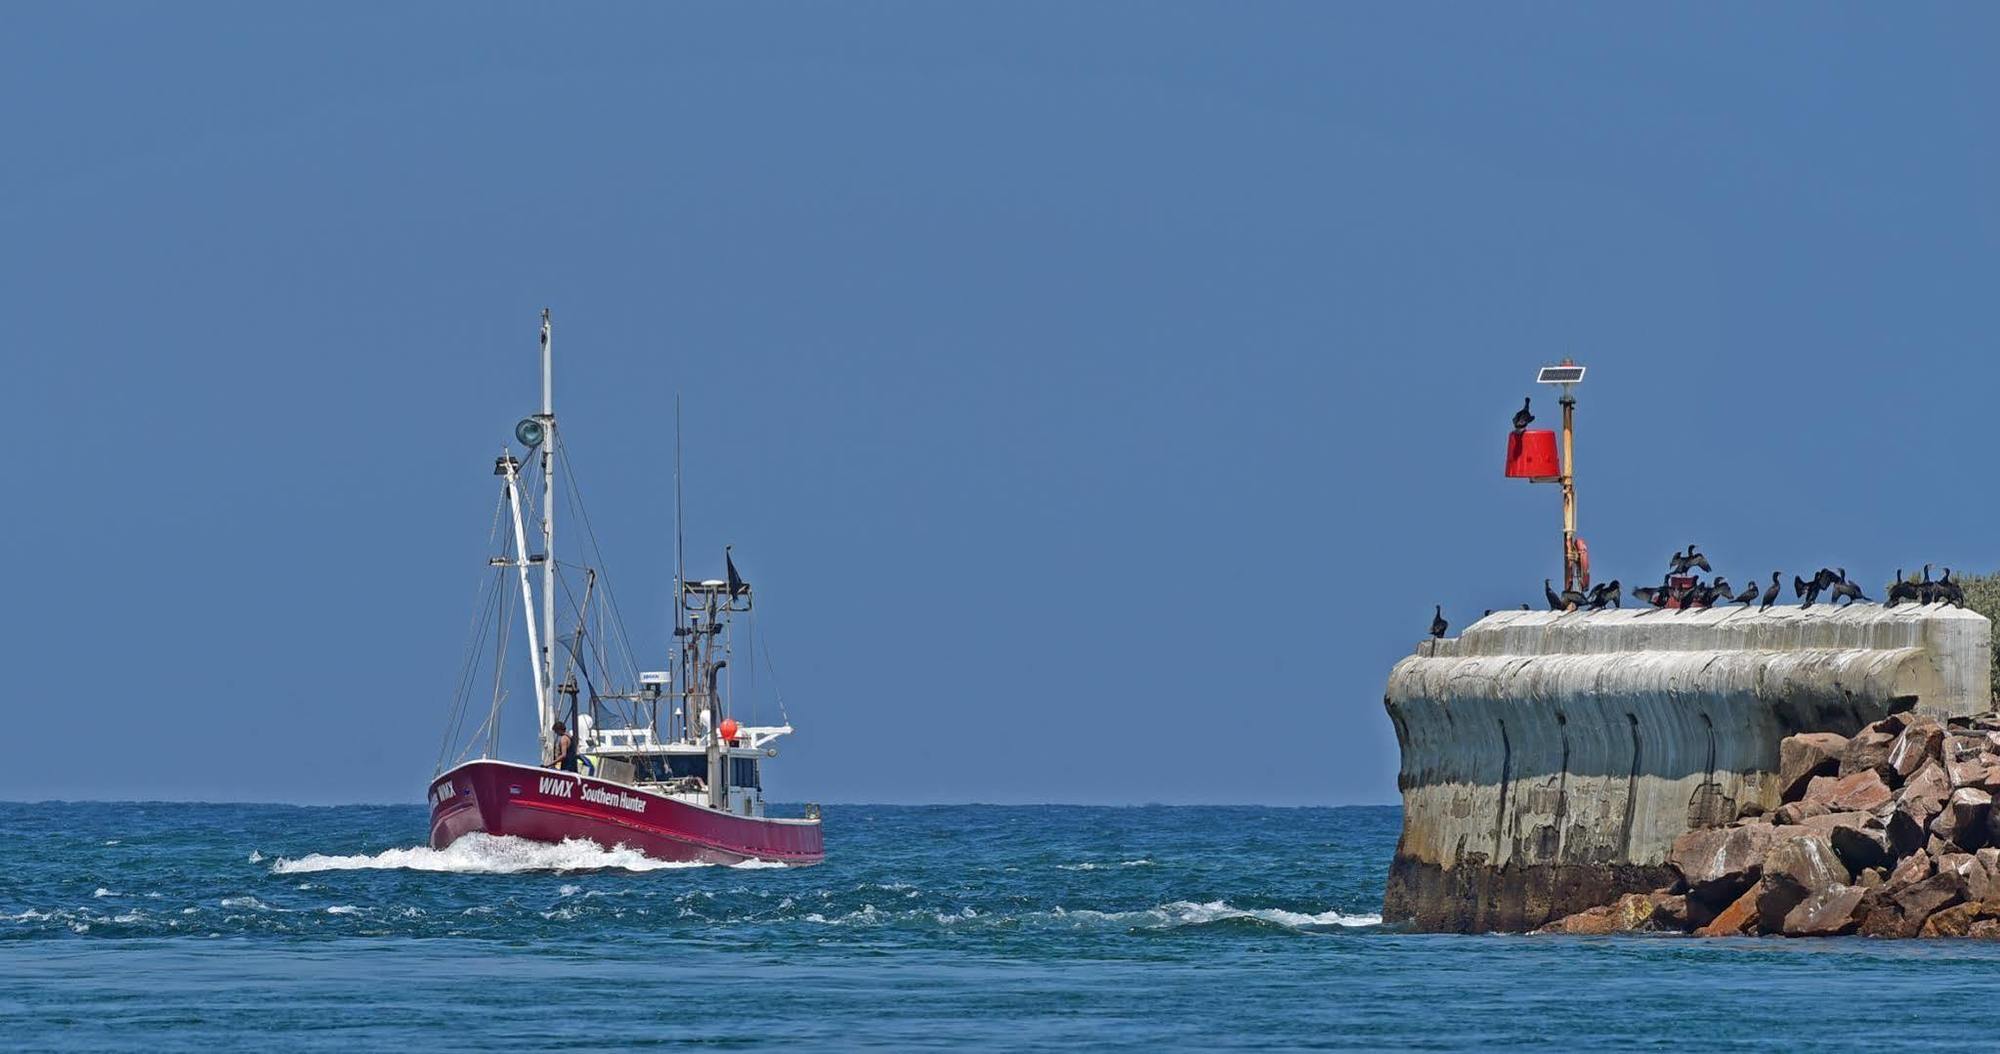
pixel 1099 395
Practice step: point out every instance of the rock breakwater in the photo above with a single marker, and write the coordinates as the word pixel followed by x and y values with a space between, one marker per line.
pixel 1550 759
pixel 1888 833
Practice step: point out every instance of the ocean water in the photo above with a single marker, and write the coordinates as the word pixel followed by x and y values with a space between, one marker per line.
pixel 218 927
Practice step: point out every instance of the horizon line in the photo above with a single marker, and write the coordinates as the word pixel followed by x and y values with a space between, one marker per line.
pixel 822 804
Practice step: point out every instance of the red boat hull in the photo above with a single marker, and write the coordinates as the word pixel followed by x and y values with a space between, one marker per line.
pixel 544 805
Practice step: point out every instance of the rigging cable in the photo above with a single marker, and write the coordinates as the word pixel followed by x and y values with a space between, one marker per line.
pixel 777 692
pixel 575 494
pixel 455 719
pixel 462 698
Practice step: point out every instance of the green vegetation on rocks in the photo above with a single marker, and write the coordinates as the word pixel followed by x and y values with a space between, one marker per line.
pixel 1982 594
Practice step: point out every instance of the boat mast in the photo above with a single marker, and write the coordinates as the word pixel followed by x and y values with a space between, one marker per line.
pixel 680 586
pixel 511 468
pixel 547 673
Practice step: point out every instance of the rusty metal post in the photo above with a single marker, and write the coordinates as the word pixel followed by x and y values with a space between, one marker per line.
pixel 1572 564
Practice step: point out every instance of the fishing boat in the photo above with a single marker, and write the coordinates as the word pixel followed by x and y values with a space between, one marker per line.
pixel 657 761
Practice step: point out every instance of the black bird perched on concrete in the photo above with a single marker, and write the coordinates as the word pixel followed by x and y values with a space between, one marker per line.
pixel 1822 580
pixel 1654 595
pixel 1549 591
pixel 1681 562
pixel 1948 591
pixel 1900 590
pixel 1720 587
pixel 1574 599
pixel 1927 589
pixel 1438 624
pixel 1770 593
pixel 1522 418
pixel 1748 595
pixel 1603 594
pixel 1841 587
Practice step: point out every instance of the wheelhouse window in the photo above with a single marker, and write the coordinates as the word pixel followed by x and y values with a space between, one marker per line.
pixel 660 768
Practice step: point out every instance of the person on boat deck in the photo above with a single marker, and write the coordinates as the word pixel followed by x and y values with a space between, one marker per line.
pixel 565 751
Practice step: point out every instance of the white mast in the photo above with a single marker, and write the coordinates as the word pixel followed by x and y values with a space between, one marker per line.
pixel 547 673
pixel 680 580
pixel 542 703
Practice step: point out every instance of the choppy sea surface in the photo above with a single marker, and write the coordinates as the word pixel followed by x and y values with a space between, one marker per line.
pixel 176 926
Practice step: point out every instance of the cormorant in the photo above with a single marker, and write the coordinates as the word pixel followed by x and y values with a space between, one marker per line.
pixel 1900 590
pixel 1655 595
pixel 1822 580
pixel 1522 418
pixel 1841 587
pixel 1681 562
pixel 1948 591
pixel 1604 593
pixel 1438 624
pixel 1555 602
pixel 1748 595
pixel 1770 593
pixel 1806 591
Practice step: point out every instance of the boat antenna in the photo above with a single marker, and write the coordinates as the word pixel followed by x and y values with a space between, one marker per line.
pixel 680 542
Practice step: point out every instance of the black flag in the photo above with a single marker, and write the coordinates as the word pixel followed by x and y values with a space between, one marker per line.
pixel 737 587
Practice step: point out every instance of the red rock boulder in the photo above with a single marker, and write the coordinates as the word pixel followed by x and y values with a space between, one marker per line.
pixel 1719 863
pixel 1828 913
pixel 1863 791
pixel 1963 819
pixel 1920 741
pixel 1869 751
pixel 1861 838
pixel 1797 869
pixel 1738 918
pixel 1804 756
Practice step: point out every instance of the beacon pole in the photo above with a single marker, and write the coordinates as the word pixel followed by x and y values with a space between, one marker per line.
pixel 1572 558
pixel 1533 455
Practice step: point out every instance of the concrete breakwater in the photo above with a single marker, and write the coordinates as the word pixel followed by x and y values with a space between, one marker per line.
pixel 1550 759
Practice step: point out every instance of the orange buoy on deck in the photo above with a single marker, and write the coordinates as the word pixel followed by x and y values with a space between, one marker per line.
pixel 1531 454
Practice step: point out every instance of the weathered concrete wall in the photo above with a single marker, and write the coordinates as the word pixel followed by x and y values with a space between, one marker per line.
pixel 1549 759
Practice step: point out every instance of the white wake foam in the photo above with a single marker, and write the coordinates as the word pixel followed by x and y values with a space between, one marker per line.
pixel 484 854
pixel 1188 913
pixel 1089 865
pixel 756 865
